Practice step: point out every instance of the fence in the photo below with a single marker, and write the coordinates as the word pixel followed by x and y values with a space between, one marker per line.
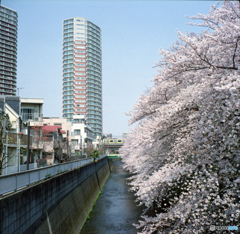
pixel 14 169
pixel 13 182
pixel 13 139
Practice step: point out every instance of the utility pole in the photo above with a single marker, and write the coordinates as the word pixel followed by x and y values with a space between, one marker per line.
pixel 28 145
pixel 67 145
pixel 5 126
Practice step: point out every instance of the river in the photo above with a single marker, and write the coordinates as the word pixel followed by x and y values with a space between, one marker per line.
pixel 115 210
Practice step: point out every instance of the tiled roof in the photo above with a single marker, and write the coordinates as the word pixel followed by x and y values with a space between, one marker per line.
pixel 53 128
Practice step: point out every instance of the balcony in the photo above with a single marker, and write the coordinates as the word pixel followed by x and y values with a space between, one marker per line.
pixel 4 67
pixel 8 91
pixel 8 78
pixel 35 119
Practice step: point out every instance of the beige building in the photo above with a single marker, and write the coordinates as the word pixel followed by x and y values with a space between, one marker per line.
pixel 79 134
pixel 56 121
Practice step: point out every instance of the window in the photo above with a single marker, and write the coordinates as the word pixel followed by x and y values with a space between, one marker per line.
pixel 80 87
pixel 68 74
pixel 77 132
pixel 80 78
pixel 80 69
pixel 79 55
pixel 80 64
pixel 67 43
pixel 80 47
pixel 81 105
pixel 27 113
pixel 80 73
pixel 75 142
pixel 78 121
pixel 80 96
pixel 68 21
pixel 79 42
pixel 68 70
pixel 84 101
pixel 80 60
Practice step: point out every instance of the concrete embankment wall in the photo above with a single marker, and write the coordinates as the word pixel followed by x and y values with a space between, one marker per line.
pixel 61 203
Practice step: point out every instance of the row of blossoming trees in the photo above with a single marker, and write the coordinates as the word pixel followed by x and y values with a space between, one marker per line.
pixel 184 153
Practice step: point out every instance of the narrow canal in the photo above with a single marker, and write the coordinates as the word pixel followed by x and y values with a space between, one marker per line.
pixel 115 210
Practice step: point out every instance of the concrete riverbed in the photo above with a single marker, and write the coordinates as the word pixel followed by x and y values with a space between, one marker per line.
pixel 115 210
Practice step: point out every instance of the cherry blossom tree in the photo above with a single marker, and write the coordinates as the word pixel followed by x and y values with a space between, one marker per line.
pixel 184 153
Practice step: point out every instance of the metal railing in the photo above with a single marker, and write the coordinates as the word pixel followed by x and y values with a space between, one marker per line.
pixel 13 182
pixel 32 117
pixel 14 169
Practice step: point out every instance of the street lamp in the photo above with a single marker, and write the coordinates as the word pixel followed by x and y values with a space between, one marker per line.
pixel 20 136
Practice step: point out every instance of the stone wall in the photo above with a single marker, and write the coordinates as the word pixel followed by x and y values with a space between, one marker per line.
pixel 61 203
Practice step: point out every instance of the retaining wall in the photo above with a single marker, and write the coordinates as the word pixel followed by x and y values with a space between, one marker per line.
pixel 60 204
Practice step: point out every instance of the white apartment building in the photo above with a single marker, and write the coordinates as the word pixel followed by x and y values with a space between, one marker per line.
pixel 82 134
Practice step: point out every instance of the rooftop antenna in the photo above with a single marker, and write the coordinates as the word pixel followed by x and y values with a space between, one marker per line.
pixel 18 88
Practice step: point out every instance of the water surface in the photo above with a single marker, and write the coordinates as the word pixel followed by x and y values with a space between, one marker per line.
pixel 115 210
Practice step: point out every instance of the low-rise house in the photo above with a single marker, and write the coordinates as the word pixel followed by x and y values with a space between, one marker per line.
pixel 10 126
pixel 32 119
pixel 53 144
pixel 78 136
pixel 13 143
pixel 18 117
pixel 56 121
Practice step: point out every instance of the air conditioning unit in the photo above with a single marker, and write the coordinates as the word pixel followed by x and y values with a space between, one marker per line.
pixel 36 119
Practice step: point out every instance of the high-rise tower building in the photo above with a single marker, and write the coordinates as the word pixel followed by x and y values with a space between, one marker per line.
pixel 82 72
pixel 8 51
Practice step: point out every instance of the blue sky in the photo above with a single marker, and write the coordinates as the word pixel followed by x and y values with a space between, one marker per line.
pixel 132 34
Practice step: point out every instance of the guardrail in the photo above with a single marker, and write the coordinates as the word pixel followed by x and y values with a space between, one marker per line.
pixel 14 169
pixel 13 182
